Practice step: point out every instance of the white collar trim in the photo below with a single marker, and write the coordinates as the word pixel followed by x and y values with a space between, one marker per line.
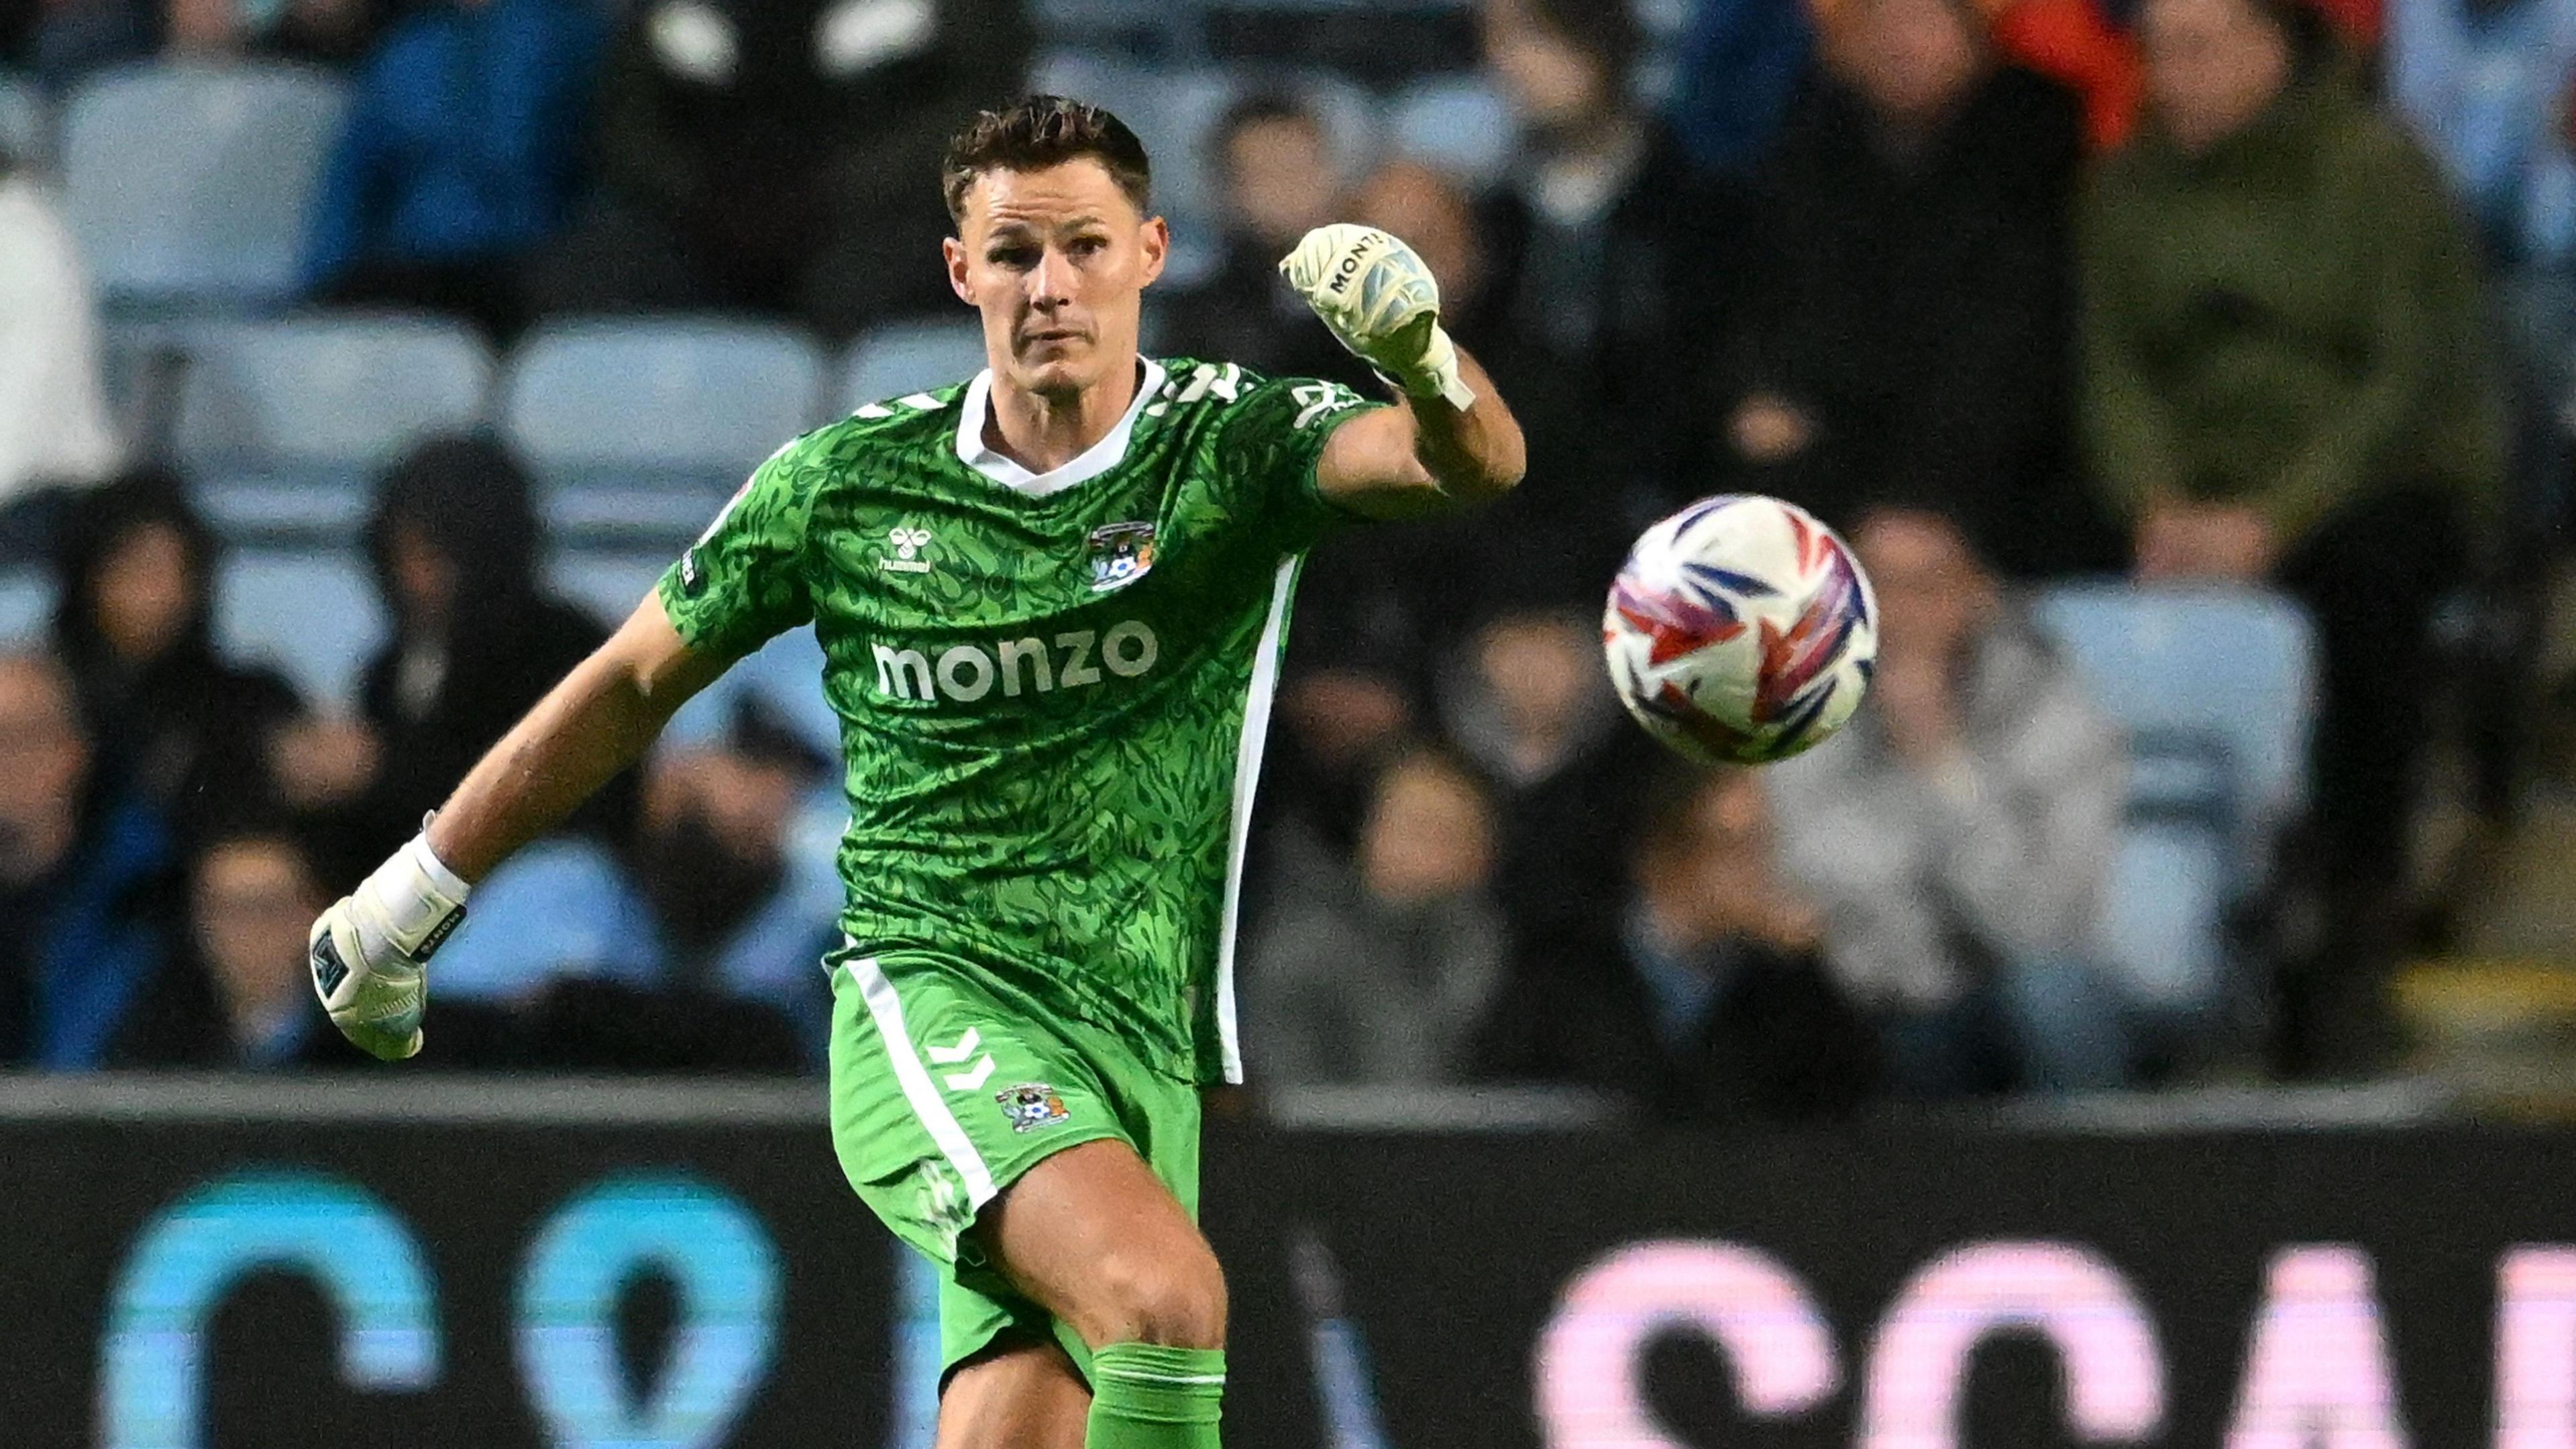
pixel 1099 458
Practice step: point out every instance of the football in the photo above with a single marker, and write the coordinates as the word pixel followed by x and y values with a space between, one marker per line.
pixel 1740 631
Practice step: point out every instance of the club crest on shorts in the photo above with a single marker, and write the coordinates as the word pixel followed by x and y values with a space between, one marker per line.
pixel 1120 555
pixel 1031 1105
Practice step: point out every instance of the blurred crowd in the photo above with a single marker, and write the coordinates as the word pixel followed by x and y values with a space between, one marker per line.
pixel 2262 295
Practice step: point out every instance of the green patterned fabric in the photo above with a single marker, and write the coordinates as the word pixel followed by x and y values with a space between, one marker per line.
pixel 1051 694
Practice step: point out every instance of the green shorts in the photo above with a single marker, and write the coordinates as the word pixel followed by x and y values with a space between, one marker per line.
pixel 942 1096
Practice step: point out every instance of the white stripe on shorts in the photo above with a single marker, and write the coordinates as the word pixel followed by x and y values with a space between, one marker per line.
pixel 926 1102
pixel 1142 1377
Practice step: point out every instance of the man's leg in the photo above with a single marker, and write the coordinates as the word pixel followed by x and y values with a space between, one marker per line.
pixel 1014 1395
pixel 1091 1235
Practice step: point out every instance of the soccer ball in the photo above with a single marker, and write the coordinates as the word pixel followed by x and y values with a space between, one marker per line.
pixel 1740 631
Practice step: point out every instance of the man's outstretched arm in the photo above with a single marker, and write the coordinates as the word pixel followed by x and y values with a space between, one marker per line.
pixel 1425 455
pixel 602 718
pixel 369 947
pixel 1451 441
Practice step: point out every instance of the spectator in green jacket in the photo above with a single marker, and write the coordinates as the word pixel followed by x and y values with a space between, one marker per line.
pixel 2288 380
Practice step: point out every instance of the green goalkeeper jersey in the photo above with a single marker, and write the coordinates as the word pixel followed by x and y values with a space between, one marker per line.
pixel 1052 688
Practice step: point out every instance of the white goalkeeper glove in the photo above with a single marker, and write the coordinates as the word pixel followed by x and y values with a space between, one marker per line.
pixel 1380 302
pixel 369 949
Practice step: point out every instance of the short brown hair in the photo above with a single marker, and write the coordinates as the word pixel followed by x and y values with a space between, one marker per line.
pixel 1039 132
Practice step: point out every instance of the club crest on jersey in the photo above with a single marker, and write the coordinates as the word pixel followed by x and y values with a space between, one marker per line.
pixel 1031 1105
pixel 907 544
pixel 1120 555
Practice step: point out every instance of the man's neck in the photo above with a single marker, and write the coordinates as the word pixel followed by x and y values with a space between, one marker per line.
pixel 1044 431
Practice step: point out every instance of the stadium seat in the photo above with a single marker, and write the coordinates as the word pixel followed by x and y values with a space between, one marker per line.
pixel 1351 117
pixel 190 184
pixel 324 392
pixel 312 615
pixel 609 585
pixel 908 357
pixel 26 604
pixel 1460 125
pixel 632 513
pixel 26 126
pixel 560 908
pixel 1172 112
pixel 787 675
pixel 316 507
pixel 677 398
pixel 2216 690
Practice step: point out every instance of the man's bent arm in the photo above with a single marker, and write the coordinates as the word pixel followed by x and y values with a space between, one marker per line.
pixel 602 718
pixel 1425 456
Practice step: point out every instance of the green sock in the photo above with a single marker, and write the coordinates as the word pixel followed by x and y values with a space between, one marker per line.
pixel 1144 1396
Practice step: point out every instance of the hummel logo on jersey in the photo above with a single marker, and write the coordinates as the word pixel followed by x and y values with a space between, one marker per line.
pixel 968 672
pixel 908 544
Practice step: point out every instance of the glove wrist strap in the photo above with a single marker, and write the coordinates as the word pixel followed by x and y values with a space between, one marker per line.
pixel 446 882
pixel 1450 387
pixel 1438 376
pixel 419 899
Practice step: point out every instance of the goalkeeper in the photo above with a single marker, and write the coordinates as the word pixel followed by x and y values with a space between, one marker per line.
pixel 1052 602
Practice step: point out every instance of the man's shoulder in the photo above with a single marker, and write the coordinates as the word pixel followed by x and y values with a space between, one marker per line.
pixel 909 431
pixel 1238 395
pixel 1201 385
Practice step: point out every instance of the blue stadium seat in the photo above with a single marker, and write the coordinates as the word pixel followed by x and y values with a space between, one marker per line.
pixel 26 605
pixel 1352 118
pixel 322 507
pixel 787 675
pixel 633 513
pixel 1460 125
pixel 1172 112
pixel 670 399
pixel 26 125
pixel 311 614
pixel 325 392
pixel 191 184
pixel 909 357
pixel 560 908
pixel 2216 689
pixel 609 585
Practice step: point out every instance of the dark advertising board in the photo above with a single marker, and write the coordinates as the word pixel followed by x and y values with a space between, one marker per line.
pixel 239 1271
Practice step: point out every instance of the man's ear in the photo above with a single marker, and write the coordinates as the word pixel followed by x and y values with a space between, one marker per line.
pixel 1157 238
pixel 955 252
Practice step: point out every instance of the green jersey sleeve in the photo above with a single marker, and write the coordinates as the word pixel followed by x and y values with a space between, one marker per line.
pixel 1269 445
pixel 743 581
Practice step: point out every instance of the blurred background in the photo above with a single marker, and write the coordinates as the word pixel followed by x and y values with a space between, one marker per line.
pixel 2193 377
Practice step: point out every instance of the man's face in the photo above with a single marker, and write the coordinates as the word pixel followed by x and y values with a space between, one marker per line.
pixel 1554 87
pixel 145 592
pixel 1410 200
pixel 1913 59
pixel 1279 180
pixel 1057 261
pixel 2212 67
pixel 43 757
pixel 1708 853
pixel 1429 835
pixel 1540 669
pixel 1932 592
pixel 424 579
pixel 252 904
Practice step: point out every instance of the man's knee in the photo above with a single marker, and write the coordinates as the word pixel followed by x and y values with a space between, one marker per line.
pixel 1173 1299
